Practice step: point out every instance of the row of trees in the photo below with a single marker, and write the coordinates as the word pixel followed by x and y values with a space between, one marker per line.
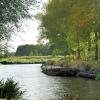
pixel 37 50
pixel 72 26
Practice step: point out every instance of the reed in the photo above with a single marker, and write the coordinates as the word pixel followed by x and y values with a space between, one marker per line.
pixel 70 97
pixel 9 90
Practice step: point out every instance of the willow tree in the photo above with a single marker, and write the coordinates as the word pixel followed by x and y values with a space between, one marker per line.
pixel 11 13
pixel 97 29
pixel 82 20
pixel 53 23
pixel 70 22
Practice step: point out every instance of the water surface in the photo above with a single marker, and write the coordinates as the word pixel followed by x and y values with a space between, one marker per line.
pixel 39 86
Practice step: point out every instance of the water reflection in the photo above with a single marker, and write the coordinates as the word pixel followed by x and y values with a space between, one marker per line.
pixel 42 87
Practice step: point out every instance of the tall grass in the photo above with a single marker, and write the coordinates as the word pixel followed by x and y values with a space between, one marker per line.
pixel 27 59
pixel 10 90
pixel 69 97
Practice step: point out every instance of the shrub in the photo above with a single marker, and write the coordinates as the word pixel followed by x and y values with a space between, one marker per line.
pixel 97 76
pixel 10 90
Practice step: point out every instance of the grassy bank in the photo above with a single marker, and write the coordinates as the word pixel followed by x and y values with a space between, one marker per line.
pixel 66 62
pixel 77 68
pixel 52 60
pixel 28 59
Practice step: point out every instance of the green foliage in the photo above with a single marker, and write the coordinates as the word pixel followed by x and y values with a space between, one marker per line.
pixel 12 12
pixel 97 76
pixel 37 50
pixel 60 61
pixel 72 26
pixel 10 90
pixel 96 63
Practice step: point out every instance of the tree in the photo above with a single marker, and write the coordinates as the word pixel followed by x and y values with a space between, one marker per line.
pixel 37 50
pixel 84 16
pixel 11 14
pixel 69 23
pixel 52 24
pixel 25 50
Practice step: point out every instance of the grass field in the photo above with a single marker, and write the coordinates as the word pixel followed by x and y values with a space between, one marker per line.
pixel 54 60
pixel 27 59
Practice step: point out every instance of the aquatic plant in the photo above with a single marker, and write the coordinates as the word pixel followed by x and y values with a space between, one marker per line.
pixel 9 90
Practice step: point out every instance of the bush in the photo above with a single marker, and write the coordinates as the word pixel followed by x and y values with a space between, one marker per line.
pixel 97 76
pixel 10 90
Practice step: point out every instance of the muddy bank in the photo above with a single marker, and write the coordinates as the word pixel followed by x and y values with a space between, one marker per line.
pixel 70 72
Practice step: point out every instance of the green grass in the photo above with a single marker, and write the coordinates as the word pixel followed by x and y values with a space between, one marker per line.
pixel 28 59
pixel 53 60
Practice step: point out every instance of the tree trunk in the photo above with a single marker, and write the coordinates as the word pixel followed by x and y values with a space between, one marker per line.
pixel 89 43
pixel 96 46
pixel 79 55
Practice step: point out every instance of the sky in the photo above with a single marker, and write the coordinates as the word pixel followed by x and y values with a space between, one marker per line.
pixel 29 35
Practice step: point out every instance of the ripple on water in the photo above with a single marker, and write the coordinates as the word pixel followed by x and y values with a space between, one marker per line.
pixel 39 86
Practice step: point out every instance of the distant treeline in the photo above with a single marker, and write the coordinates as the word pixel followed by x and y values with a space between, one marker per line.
pixel 37 50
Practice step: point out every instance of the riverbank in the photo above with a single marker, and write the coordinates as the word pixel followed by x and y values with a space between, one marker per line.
pixel 66 67
pixel 79 69
pixel 27 59
pixel 38 85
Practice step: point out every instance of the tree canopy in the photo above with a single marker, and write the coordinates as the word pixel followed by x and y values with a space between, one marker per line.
pixel 33 50
pixel 37 50
pixel 73 25
pixel 11 13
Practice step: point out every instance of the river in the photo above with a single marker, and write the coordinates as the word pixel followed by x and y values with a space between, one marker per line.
pixel 39 86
